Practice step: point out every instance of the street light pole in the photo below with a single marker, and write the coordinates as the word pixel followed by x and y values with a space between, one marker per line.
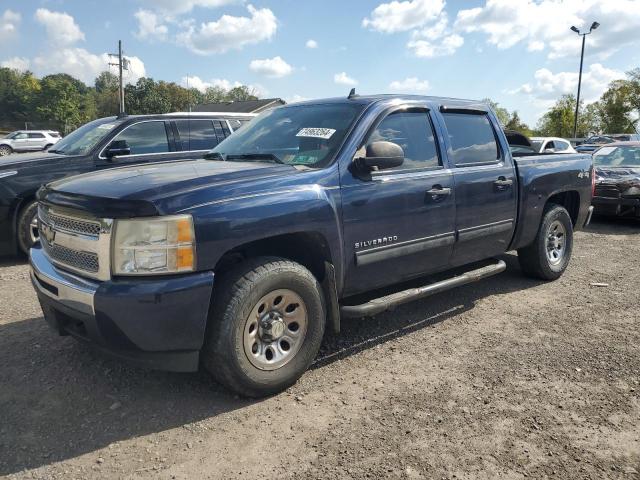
pixel 594 25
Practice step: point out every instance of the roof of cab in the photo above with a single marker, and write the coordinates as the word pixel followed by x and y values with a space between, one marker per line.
pixel 369 99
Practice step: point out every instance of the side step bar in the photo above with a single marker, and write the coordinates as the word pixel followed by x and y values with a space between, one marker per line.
pixel 381 304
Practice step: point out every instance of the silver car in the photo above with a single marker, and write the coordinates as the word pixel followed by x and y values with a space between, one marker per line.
pixel 28 141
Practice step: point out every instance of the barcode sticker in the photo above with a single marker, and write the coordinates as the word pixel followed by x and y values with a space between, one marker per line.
pixel 324 133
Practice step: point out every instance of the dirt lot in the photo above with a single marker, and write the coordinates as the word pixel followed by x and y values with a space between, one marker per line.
pixel 508 378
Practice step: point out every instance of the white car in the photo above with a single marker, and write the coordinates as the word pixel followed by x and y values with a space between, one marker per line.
pixel 28 141
pixel 552 145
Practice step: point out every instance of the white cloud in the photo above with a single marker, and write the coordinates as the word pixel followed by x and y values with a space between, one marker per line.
pixel 436 40
pixel 548 86
pixel 297 98
pixel 9 23
pixel 274 67
pixel 150 26
pixel 311 44
pixel 83 65
pixel 400 16
pixel 178 7
pixel 545 24
pixel 426 49
pixel 17 63
pixel 230 32
pixel 61 28
pixel 343 79
pixel 202 85
pixel 410 84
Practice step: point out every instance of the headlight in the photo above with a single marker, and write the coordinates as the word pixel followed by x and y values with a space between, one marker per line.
pixel 154 246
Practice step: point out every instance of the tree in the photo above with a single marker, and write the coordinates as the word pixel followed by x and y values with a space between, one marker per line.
pixel 558 121
pixel 616 108
pixel 18 92
pixel 502 113
pixel 61 102
pixel 241 94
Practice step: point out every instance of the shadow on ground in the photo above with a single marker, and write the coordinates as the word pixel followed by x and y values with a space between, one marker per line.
pixel 60 400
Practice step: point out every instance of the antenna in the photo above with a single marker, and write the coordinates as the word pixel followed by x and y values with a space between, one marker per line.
pixel 352 93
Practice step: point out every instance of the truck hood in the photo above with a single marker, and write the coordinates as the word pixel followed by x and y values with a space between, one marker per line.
pixel 16 160
pixel 164 180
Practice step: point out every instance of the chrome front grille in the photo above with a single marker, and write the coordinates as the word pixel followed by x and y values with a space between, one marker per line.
pixel 76 242
pixel 85 261
pixel 68 224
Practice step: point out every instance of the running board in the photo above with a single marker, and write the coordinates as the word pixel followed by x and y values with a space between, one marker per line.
pixel 381 304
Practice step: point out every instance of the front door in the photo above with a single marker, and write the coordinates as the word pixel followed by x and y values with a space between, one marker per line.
pixel 399 223
pixel 485 187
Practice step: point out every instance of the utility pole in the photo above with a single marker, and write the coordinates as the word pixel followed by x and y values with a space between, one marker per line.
pixel 122 64
pixel 594 25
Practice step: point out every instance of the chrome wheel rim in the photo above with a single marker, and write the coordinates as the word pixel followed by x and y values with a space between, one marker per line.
pixel 33 229
pixel 556 242
pixel 4 151
pixel 275 329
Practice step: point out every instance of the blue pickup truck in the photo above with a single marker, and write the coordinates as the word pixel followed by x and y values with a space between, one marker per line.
pixel 240 261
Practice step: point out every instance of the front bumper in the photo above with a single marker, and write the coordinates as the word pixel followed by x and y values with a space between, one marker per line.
pixel 616 206
pixel 156 323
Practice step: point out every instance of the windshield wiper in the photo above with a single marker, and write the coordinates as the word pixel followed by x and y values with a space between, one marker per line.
pixel 256 157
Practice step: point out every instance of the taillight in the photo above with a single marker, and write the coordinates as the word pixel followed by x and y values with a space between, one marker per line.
pixel 593 181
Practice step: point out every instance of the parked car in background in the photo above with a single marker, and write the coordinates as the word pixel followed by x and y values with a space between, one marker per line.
pixel 98 145
pixel 617 190
pixel 592 143
pixel 241 261
pixel 552 145
pixel 28 141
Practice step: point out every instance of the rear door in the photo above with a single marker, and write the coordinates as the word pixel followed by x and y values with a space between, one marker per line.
pixel 200 135
pixel 398 223
pixel 37 141
pixel 485 185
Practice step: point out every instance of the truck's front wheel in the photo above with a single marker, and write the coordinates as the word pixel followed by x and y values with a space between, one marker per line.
pixel 266 326
pixel 548 256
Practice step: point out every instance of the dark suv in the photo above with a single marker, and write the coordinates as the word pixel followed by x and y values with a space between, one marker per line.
pixel 101 144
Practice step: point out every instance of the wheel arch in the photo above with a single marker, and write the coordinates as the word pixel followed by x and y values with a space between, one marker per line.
pixel 570 200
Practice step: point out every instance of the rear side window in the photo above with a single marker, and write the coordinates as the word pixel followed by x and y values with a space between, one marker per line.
pixel 561 145
pixel 146 138
pixel 36 135
pixel 472 138
pixel 413 132
pixel 201 134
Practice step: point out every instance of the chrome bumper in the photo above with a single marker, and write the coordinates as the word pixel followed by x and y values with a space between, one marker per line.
pixel 72 291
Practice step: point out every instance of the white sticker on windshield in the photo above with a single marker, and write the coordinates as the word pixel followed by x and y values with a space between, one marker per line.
pixel 606 150
pixel 106 126
pixel 324 133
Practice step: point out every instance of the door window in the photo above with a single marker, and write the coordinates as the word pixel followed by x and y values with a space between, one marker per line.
pixel 36 135
pixel 472 138
pixel 146 138
pixel 414 133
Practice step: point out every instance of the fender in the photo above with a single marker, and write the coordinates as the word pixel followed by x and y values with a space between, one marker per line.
pixel 225 224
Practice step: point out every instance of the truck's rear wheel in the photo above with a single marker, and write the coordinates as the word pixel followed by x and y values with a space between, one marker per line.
pixel 548 256
pixel 28 227
pixel 266 326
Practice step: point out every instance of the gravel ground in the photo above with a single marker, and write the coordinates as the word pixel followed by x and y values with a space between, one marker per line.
pixel 508 378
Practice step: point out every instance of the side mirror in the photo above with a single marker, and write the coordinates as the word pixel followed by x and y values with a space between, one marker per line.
pixel 117 148
pixel 382 155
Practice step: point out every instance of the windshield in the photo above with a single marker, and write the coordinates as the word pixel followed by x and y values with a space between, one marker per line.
pixel 82 140
pixel 307 135
pixel 617 157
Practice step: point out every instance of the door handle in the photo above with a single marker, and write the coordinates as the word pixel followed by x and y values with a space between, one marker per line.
pixel 437 191
pixel 502 183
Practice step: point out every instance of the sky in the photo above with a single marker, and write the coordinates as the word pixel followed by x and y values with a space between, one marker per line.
pixel 520 53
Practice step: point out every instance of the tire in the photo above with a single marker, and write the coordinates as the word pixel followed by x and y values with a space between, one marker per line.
pixel 548 256
pixel 247 321
pixel 5 150
pixel 27 228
